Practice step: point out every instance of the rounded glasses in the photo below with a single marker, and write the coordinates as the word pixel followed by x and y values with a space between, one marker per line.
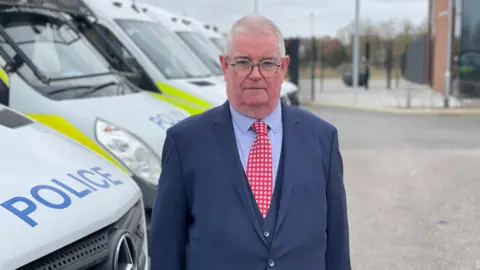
pixel 243 67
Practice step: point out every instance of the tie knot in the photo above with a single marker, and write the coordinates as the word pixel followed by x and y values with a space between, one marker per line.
pixel 260 127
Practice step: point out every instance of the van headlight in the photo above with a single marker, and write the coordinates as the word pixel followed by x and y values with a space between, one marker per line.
pixel 134 154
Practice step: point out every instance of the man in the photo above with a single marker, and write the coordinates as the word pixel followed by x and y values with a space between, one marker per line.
pixel 252 184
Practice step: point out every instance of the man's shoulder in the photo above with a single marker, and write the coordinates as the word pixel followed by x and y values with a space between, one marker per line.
pixel 311 120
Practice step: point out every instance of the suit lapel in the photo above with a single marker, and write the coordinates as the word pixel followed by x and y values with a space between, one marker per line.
pixel 223 129
pixel 291 141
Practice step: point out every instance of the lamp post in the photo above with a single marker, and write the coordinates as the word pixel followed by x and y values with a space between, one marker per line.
pixel 356 60
pixel 314 48
pixel 448 77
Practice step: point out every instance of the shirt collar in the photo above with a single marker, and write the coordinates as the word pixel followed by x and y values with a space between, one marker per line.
pixel 243 122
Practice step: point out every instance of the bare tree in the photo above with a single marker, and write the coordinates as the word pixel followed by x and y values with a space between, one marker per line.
pixel 387 29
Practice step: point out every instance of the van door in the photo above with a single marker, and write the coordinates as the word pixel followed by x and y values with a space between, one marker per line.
pixel 111 48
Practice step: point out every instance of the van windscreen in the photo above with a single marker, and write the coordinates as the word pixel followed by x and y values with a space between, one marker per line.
pixel 54 47
pixel 173 58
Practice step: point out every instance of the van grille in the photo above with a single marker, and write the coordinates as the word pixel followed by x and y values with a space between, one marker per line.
pixel 94 250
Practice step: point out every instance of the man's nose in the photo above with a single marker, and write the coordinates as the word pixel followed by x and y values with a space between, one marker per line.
pixel 255 74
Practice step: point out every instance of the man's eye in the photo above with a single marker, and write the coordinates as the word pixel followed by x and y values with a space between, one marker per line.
pixel 243 63
pixel 269 65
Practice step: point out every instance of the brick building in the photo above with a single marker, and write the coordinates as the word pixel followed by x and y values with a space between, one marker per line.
pixel 465 55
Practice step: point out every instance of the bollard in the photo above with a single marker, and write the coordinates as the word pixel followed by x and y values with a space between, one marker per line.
pixel 409 98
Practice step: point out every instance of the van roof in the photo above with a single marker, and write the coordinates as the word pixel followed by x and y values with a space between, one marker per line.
pixel 71 6
pixel 118 9
pixel 165 17
pixel 179 22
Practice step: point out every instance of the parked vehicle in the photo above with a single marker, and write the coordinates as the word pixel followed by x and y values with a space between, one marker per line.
pixel 122 26
pixel 60 80
pixel 62 205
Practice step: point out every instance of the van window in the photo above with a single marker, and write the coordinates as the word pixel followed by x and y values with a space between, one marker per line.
pixel 62 55
pixel 204 49
pixel 55 48
pixel 109 45
pixel 94 35
pixel 173 58
pixel 219 42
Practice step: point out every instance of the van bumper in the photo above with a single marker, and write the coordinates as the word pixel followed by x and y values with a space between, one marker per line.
pixel 149 192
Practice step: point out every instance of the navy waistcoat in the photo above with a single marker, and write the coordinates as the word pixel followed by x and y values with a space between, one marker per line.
pixel 268 223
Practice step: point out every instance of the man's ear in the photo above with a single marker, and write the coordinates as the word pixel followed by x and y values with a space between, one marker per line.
pixel 285 63
pixel 224 64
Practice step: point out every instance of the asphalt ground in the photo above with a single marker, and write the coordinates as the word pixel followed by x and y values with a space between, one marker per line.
pixel 413 187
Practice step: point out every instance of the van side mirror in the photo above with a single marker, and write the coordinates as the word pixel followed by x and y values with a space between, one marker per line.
pixel 5 66
pixel 4 89
pixel 17 63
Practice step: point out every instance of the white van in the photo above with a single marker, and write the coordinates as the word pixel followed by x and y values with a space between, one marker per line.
pixel 60 80
pixel 63 206
pixel 194 34
pixel 212 33
pixel 150 47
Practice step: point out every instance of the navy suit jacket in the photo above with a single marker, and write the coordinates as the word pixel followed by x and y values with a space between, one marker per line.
pixel 202 217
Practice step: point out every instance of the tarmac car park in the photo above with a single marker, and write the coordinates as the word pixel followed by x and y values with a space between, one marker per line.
pixel 63 206
pixel 59 79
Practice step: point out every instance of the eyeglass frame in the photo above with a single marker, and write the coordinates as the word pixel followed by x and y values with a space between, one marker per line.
pixel 252 65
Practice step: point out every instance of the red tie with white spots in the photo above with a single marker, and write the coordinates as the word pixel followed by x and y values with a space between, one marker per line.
pixel 259 167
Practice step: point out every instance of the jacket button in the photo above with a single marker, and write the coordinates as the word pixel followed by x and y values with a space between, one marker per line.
pixel 271 263
pixel 266 234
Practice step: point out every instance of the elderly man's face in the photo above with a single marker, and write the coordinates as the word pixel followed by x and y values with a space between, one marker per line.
pixel 261 85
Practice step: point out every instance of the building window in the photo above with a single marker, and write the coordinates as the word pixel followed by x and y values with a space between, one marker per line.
pixel 469 49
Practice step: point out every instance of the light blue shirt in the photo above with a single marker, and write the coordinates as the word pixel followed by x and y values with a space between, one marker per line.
pixel 245 136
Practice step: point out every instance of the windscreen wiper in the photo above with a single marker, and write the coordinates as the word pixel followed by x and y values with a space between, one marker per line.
pixel 97 88
pixel 61 90
pixel 83 76
pixel 77 87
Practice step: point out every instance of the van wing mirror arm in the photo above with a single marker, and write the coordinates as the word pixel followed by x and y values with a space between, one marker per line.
pixel 10 65
pixel 93 26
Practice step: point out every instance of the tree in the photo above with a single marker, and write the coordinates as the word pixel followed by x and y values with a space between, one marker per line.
pixel 334 52
pixel 338 49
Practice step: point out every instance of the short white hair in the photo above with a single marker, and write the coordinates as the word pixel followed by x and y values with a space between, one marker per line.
pixel 255 24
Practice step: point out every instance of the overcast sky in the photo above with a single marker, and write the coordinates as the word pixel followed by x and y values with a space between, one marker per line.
pixel 293 17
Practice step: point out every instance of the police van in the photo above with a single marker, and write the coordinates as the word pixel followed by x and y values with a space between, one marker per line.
pixel 59 79
pixel 150 47
pixel 63 206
